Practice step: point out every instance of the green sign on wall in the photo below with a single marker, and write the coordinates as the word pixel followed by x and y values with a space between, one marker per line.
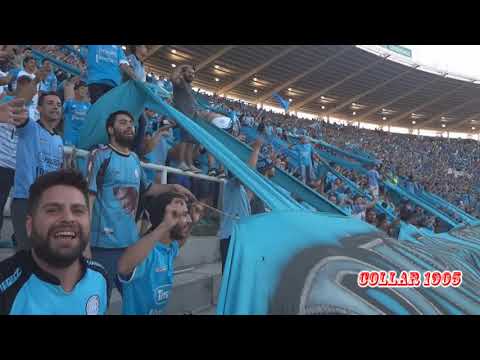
pixel 399 50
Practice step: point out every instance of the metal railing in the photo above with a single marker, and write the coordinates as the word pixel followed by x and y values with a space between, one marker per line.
pixel 69 150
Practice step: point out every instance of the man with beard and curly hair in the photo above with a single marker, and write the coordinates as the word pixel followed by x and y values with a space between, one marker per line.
pixel 146 268
pixel 53 278
pixel 116 180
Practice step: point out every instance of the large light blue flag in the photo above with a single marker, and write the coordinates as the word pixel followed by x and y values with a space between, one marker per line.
pixel 294 262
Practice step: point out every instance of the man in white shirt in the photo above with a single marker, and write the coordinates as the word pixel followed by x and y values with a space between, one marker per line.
pixel 30 70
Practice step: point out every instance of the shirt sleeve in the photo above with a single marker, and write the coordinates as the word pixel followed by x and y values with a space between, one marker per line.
pixel 27 129
pixel 66 106
pixel 175 248
pixel 130 59
pixel 140 271
pixel 94 164
pixel 145 183
pixel 122 59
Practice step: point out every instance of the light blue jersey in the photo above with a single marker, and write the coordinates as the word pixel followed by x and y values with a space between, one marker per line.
pixel 304 152
pixel 74 114
pixel 330 178
pixel 373 176
pixel 39 151
pixel 103 64
pixel 49 83
pixel 159 153
pixel 147 290
pixel 235 203
pixel 26 289
pixel 117 181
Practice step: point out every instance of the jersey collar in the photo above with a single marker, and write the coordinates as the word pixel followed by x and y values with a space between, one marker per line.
pixel 118 151
pixel 46 276
pixel 54 132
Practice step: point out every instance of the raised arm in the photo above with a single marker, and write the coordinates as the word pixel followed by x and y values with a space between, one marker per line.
pixel 372 203
pixel 139 251
pixel 69 88
pixel 127 69
pixel 157 189
pixel 257 145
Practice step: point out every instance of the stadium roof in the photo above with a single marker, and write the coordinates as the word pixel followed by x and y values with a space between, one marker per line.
pixel 342 81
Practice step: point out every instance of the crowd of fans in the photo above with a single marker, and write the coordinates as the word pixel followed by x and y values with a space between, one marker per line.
pixel 448 168
pixel 45 108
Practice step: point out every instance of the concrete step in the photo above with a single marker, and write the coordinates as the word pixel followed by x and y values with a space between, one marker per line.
pixel 212 310
pixel 198 250
pixel 194 292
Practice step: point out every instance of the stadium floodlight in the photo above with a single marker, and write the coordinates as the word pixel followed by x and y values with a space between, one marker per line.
pixel 124 47
pixel 414 122
pixel 354 113
pixel 216 67
pixel 290 100
pixel 323 107
pixel 217 79
pixel 289 89
pixel 255 91
pixel 384 118
pixel 174 51
pixel 443 125
pixel 255 79
pixel 473 127
pixel 174 66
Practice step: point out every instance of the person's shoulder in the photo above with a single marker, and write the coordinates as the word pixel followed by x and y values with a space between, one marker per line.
pixel 96 267
pixel 133 155
pixel 12 268
pixel 100 151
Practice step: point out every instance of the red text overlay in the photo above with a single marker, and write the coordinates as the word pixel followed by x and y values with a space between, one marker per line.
pixel 414 279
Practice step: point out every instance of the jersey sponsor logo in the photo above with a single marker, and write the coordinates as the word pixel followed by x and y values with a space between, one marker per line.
pixel 93 305
pixel 10 280
pixel 161 294
pixel 161 269
pixel 107 231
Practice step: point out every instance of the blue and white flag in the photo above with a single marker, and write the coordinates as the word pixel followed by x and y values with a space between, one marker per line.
pixel 281 101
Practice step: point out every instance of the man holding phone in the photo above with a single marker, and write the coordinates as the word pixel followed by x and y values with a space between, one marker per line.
pixel 157 141
pixel 39 151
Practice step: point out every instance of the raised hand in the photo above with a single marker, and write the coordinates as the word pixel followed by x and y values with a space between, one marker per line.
pixel 172 215
pixel 196 212
pixel 13 112
pixel 183 191
pixel 41 74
